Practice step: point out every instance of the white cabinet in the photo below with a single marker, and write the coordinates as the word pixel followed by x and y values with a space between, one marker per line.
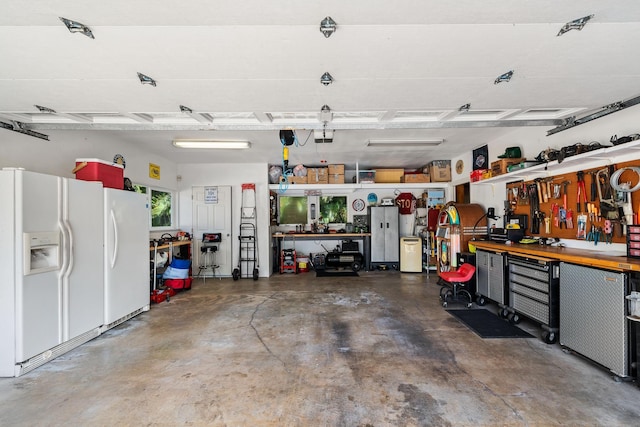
pixel 385 242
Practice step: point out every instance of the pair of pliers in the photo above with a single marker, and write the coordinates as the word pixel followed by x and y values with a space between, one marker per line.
pixel 596 236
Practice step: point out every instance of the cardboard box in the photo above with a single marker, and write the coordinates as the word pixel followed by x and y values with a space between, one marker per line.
pixel 499 167
pixel 336 169
pixel 391 176
pixel 317 176
pixel 298 180
pixel 110 174
pixel 440 170
pixel 336 178
pixel 416 177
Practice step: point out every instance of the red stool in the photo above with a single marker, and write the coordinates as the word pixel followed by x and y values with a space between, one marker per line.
pixel 454 285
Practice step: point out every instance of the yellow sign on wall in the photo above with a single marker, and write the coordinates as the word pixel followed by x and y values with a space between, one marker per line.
pixel 154 171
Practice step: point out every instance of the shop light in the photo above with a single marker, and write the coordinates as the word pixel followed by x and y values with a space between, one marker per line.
pixel 404 143
pixel 212 144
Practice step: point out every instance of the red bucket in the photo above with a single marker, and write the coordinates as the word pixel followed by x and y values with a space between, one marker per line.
pixel 303 264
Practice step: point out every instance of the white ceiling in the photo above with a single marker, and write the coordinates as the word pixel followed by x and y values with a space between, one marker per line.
pixel 246 69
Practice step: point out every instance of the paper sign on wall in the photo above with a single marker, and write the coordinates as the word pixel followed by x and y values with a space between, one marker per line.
pixel 154 171
pixel 211 194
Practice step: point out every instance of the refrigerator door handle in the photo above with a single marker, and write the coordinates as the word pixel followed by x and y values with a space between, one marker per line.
pixel 64 252
pixel 70 248
pixel 114 256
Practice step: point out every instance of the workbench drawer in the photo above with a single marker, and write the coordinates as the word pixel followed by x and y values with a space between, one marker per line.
pixel 527 281
pixel 531 308
pixel 540 273
pixel 531 293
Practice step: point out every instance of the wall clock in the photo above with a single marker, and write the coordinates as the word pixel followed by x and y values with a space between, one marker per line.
pixel 358 205
pixel 459 166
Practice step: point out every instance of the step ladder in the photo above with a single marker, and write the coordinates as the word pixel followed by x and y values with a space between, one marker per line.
pixel 248 266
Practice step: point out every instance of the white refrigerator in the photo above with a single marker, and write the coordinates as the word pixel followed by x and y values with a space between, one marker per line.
pixel 51 284
pixel 126 256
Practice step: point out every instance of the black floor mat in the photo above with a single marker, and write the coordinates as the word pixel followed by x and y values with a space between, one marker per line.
pixel 488 325
pixel 336 273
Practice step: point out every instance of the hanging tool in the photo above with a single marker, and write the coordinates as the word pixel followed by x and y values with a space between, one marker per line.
pixel 523 194
pixel 534 207
pixel 555 212
pixel 565 188
pixel 581 191
pixel 608 206
pixel 547 225
pixel 539 190
pixel 569 219
pixel 596 236
pixel 594 186
pixel 608 230
pixel 582 226
pixel 562 213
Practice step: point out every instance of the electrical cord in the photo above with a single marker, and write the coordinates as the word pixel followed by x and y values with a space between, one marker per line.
pixel 615 177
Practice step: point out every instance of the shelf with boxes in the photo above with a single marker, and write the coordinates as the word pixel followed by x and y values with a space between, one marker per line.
pixel 438 172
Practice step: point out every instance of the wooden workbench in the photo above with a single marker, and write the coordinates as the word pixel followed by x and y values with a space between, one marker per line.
pixel 597 258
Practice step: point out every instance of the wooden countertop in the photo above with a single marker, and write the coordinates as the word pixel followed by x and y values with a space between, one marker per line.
pixel 596 258
pixel 319 236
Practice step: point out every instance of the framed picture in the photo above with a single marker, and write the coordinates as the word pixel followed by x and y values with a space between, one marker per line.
pixel 481 158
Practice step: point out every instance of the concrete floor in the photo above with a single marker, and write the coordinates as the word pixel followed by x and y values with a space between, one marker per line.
pixel 374 350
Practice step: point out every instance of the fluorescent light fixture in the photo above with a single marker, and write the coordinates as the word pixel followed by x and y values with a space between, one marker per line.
pixel 404 143
pixel 212 143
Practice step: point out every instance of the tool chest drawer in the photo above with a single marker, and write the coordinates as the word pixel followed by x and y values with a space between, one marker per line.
pixel 534 292
pixel 531 308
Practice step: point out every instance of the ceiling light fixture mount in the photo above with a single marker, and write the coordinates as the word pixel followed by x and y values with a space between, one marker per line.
pixel 45 109
pixel 146 80
pixel 325 114
pixel 326 79
pixel 76 27
pixel 328 26
pixel 576 24
pixel 503 78
pixel 212 144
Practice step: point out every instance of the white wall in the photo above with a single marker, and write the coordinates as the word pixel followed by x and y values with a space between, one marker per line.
pixel 234 175
pixel 57 156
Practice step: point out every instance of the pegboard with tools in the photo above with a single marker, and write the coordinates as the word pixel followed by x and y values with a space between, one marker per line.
pixel 593 205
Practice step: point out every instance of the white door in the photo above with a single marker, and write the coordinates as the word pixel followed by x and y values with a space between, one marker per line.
pixel 83 281
pixel 212 214
pixel 39 295
pixel 126 254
